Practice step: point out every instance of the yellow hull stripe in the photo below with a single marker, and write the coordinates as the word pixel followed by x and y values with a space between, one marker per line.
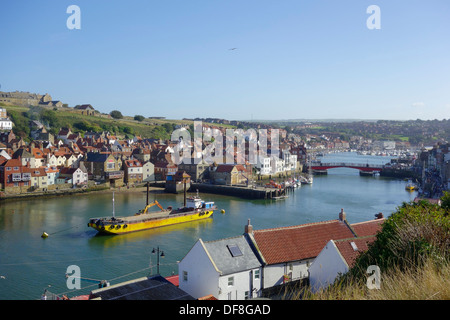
pixel 156 223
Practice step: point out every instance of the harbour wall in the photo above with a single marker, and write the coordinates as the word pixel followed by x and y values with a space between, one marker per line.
pixel 400 173
pixel 237 191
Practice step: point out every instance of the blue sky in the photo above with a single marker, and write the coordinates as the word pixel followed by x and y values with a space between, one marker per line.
pixel 294 59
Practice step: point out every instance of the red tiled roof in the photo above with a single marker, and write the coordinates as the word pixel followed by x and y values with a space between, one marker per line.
pixel 367 228
pixel 13 163
pixel 208 297
pixel 348 252
pixel 298 242
pixel 133 163
pixel 175 280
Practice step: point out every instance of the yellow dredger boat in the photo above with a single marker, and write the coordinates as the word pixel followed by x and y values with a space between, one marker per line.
pixel 194 209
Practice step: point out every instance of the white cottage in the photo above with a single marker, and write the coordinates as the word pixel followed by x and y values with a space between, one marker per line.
pixel 148 171
pixel 288 252
pixel 78 176
pixel 227 269
pixel 336 258
pixel 264 165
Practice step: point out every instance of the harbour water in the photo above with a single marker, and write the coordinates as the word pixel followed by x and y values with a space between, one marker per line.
pixel 30 264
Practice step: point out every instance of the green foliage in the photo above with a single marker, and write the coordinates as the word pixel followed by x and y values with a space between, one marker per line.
pixel 116 114
pixel 50 117
pixel 86 126
pixel 139 118
pixel 409 237
pixel 21 126
pixel 446 201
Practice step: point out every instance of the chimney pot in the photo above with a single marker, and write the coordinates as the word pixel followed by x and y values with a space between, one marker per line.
pixel 248 227
pixel 342 215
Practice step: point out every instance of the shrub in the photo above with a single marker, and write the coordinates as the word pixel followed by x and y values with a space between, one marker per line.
pixel 116 114
pixel 139 118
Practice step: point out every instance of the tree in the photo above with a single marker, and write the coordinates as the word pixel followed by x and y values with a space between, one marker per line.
pixel 116 114
pixel 139 118
pixel 446 201
pixel 169 127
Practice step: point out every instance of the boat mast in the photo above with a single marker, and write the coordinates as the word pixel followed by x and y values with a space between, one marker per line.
pixel 147 191
pixel 114 211
pixel 184 181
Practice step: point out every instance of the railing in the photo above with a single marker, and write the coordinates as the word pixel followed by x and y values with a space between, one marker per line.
pixel 345 164
pixel 114 175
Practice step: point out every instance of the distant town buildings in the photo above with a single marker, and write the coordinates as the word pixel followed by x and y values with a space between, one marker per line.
pixel 21 98
pixel 5 122
pixel 116 161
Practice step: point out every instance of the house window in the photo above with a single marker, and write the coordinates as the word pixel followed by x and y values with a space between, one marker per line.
pixel 256 274
pixel 230 281
pixel 247 295
pixel 185 276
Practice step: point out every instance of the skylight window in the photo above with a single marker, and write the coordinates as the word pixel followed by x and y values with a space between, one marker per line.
pixel 234 250
pixel 355 248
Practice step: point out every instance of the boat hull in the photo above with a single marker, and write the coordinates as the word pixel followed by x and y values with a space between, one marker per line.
pixel 134 226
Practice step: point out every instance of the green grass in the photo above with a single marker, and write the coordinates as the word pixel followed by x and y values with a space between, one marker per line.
pixel 69 118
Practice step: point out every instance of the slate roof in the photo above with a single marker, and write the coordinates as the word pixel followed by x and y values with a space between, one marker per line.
pixel 229 167
pixel 22 153
pixel 146 288
pixel 225 261
pixel 298 242
pixel 96 157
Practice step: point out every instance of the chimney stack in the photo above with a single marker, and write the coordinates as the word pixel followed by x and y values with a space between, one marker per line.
pixel 248 227
pixel 342 215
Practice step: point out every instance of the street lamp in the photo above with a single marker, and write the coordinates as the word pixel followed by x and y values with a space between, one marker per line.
pixel 158 254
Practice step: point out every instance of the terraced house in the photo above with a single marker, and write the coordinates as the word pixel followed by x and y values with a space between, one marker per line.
pixel 14 177
pixel 132 171
pixel 104 167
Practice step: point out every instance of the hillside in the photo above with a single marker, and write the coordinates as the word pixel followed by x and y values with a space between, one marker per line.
pixel 54 119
